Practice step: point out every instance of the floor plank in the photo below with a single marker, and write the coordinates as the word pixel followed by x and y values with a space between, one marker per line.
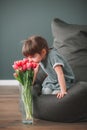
pixel 10 115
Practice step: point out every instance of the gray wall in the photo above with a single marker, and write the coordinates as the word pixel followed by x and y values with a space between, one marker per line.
pixel 22 18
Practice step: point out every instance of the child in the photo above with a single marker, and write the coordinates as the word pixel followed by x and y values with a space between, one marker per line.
pixel 59 74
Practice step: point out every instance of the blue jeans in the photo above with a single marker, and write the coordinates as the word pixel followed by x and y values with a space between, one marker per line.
pixel 49 91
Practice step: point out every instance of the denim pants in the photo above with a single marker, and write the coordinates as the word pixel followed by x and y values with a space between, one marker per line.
pixel 49 91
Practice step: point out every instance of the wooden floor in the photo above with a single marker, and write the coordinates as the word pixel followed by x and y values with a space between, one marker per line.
pixel 10 116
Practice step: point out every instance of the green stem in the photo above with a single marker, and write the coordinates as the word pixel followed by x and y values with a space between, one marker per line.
pixel 27 100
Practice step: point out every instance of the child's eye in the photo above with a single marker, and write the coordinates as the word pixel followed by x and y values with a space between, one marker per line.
pixel 34 56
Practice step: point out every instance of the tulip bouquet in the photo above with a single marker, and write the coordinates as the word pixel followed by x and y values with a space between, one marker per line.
pixel 24 72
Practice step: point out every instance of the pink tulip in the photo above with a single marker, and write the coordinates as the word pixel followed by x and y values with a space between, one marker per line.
pixel 29 65
pixel 24 67
pixel 15 67
pixel 15 74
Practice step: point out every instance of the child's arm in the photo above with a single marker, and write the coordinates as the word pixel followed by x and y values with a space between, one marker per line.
pixel 35 73
pixel 61 81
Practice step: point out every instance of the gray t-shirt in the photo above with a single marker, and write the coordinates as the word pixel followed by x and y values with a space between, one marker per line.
pixel 48 64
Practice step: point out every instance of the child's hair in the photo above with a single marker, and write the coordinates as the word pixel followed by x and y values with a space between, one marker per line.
pixel 33 45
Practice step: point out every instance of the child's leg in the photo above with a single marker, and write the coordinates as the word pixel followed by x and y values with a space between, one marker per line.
pixel 55 91
pixel 46 91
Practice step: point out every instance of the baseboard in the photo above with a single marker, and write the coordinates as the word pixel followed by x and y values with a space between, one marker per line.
pixel 9 83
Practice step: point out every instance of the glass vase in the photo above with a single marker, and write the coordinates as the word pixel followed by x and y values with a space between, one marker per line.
pixel 26 105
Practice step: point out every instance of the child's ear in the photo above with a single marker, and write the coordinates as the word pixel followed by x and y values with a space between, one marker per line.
pixel 43 52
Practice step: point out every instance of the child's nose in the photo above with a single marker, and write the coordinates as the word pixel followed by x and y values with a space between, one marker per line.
pixel 30 59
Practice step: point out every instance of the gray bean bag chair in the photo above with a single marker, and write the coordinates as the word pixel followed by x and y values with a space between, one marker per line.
pixel 71 41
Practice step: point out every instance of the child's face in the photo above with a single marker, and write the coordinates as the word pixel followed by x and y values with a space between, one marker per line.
pixel 35 58
pixel 38 57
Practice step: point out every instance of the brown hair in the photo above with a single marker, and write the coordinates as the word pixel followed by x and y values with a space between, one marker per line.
pixel 33 45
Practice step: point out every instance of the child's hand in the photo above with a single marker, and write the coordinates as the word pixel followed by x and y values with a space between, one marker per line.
pixel 35 73
pixel 61 94
pixel 36 69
